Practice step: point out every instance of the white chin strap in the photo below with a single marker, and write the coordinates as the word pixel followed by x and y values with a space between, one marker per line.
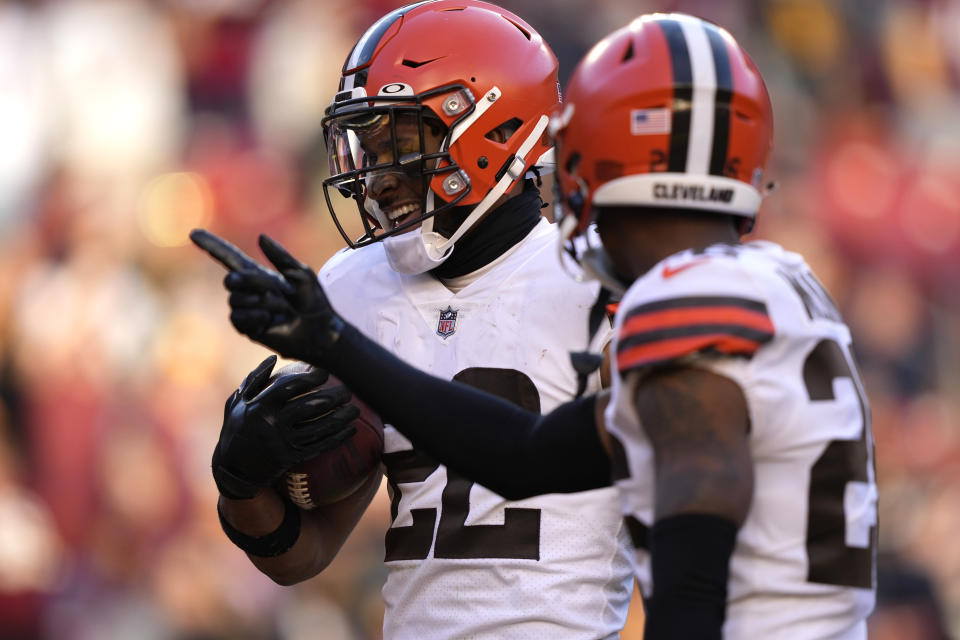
pixel 413 253
pixel 419 250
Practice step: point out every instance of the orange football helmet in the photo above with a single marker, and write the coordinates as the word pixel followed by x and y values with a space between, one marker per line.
pixel 470 65
pixel 667 112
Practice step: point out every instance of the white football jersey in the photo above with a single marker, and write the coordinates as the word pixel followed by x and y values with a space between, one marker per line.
pixel 803 565
pixel 463 562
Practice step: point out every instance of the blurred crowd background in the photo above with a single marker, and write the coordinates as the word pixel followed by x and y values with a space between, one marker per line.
pixel 125 123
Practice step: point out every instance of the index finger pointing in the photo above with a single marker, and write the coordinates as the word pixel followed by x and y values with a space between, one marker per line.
pixel 279 256
pixel 222 251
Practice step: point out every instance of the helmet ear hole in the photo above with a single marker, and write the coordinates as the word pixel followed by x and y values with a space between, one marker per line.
pixel 576 201
pixel 504 131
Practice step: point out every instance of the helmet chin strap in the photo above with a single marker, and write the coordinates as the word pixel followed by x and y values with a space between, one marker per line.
pixel 593 261
pixel 597 265
pixel 420 250
pixel 565 229
pixel 414 253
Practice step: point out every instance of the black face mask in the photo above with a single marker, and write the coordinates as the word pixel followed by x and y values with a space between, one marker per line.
pixel 501 229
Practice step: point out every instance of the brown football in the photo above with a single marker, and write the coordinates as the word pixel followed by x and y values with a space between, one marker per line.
pixel 338 473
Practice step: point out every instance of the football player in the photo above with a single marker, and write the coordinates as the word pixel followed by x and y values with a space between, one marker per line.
pixel 437 134
pixel 736 429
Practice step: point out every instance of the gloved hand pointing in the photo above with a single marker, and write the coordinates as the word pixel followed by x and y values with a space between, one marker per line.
pixel 286 311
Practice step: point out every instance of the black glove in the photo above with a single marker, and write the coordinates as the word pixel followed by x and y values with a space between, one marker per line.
pixel 287 311
pixel 270 426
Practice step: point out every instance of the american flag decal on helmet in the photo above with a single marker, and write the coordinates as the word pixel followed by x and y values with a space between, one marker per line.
pixel 447 323
pixel 649 121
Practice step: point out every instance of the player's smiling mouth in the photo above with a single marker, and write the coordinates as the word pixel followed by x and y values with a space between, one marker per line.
pixel 399 214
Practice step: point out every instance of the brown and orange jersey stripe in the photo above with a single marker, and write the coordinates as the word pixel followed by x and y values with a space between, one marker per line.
pixel 660 331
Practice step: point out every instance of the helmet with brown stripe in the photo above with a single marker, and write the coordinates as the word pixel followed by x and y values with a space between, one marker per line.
pixel 668 112
pixel 421 96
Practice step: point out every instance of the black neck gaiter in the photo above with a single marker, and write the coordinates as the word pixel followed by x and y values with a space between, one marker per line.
pixel 501 229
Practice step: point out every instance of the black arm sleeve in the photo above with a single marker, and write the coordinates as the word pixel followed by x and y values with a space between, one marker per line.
pixel 514 452
pixel 690 558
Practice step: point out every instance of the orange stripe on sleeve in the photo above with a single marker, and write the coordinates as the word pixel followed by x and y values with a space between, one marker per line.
pixel 673 318
pixel 664 350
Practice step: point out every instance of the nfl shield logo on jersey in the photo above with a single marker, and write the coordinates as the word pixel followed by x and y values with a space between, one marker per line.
pixel 448 322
